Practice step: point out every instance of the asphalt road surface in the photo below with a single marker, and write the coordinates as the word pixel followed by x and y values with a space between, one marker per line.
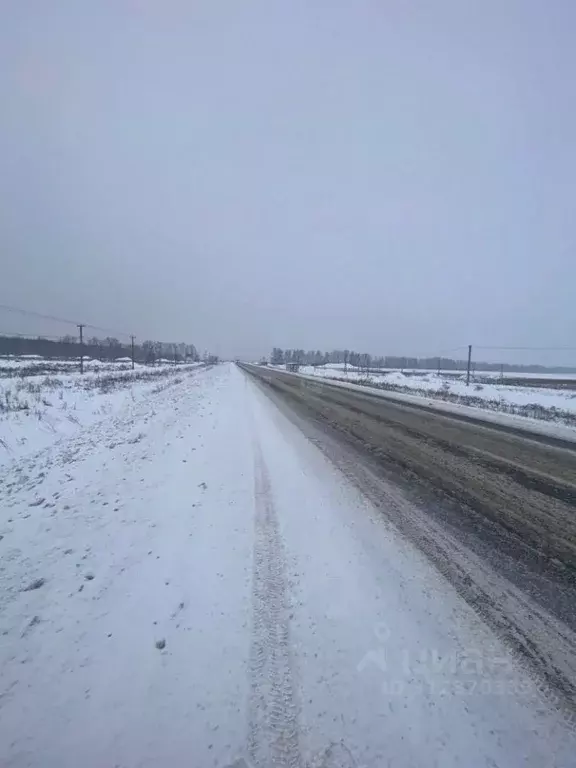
pixel 494 509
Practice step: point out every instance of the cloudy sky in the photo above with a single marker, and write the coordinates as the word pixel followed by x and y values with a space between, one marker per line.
pixel 393 176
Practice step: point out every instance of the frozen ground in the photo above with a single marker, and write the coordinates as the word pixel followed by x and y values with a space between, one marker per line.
pixel 189 580
pixel 533 402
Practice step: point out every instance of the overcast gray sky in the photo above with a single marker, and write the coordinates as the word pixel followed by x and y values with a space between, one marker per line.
pixel 392 176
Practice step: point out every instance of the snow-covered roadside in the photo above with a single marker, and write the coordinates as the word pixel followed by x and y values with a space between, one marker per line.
pixel 119 589
pixel 533 403
pixel 38 410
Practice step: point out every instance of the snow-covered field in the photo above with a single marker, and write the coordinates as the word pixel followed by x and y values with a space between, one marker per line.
pixel 36 410
pixel 187 579
pixel 32 365
pixel 525 375
pixel 541 403
pixel 422 371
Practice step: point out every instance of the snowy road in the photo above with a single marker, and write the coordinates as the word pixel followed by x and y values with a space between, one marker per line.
pixel 193 581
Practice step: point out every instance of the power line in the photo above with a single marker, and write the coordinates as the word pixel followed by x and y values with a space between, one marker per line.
pixel 499 348
pixel 36 314
pixel 31 313
pixel 531 349
pixel 449 351
pixel 107 330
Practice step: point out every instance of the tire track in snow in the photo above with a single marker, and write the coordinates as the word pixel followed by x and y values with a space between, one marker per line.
pixel 273 712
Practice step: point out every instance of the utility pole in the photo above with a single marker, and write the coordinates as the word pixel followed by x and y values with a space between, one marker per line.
pixel 501 373
pixel 438 366
pixel 469 361
pixel 81 327
pixel 132 349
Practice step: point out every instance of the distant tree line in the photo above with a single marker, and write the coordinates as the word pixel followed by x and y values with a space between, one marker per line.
pixel 365 361
pixel 109 348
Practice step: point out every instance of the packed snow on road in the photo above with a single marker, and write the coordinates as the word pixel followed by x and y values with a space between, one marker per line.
pixel 186 580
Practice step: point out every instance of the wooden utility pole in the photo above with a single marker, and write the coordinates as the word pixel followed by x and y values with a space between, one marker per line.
pixel 132 349
pixel 468 367
pixel 81 327
pixel 438 366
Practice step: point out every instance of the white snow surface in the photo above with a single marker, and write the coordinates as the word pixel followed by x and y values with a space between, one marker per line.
pixel 294 623
pixel 419 371
pixel 36 411
pixel 22 363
